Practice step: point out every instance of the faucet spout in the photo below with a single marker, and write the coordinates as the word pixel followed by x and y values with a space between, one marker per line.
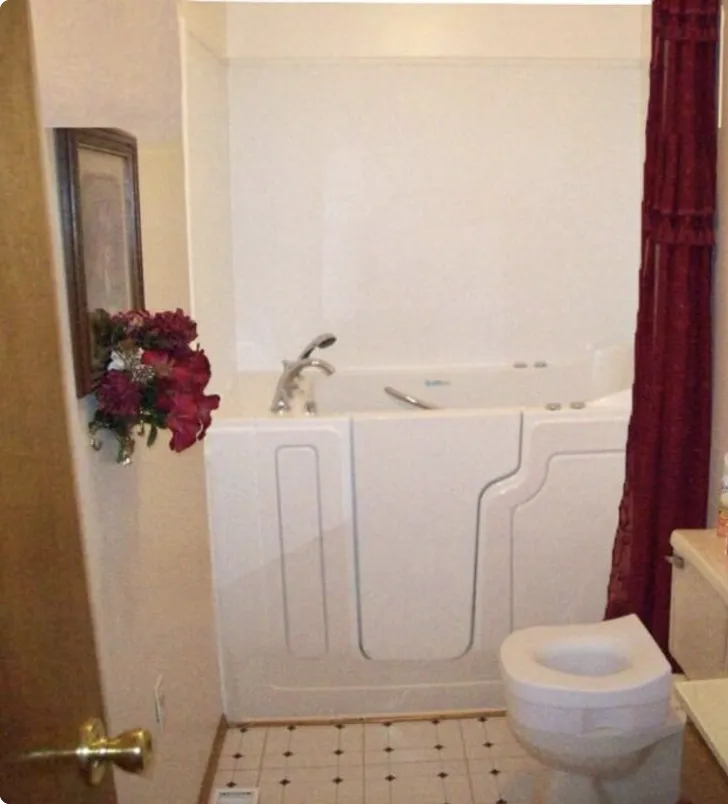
pixel 287 383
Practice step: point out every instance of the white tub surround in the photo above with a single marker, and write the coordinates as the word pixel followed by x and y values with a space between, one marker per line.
pixel 374 561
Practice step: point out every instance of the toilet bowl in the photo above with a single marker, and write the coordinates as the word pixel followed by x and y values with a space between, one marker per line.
pixel 592 702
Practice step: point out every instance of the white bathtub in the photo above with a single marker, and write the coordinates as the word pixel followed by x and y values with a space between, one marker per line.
pixel 373 558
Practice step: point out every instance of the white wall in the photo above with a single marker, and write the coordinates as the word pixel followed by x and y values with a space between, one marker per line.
pixel 333 30
pixel 206 125
pixel 435 185
pixel 105 63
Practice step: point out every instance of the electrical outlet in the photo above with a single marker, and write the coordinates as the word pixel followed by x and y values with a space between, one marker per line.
pixel 160 703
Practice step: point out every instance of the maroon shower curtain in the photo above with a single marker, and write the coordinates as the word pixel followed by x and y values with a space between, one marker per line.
pixel 669 432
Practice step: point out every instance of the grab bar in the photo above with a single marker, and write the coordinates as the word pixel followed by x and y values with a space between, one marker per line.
pixel 410 400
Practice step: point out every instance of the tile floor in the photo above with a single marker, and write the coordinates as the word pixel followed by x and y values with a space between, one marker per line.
pixel 467 761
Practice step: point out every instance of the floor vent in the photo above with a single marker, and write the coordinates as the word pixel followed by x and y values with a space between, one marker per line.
pixel 240 795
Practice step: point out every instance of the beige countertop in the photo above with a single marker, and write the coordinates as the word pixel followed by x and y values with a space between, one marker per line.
pixel 706 704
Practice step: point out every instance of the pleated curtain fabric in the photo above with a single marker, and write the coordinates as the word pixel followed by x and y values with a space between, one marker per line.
pixel 668 444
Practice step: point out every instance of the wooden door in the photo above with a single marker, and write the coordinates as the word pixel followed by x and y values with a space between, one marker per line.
pixel 49 679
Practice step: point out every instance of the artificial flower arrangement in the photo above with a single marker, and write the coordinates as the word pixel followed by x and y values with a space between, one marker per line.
pixel 151 379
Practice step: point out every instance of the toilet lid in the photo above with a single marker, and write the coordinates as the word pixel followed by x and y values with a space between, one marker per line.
pixel 612 663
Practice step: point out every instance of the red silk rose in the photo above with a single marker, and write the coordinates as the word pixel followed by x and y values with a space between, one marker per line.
pixel 118 394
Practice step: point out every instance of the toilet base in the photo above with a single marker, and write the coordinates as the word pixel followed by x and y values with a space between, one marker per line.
pixel 564 788
pixel 652 778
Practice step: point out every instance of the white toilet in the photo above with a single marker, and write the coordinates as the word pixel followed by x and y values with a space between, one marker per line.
pixel 592 703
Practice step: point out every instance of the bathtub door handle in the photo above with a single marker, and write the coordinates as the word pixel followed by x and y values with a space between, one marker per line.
pixel 676 560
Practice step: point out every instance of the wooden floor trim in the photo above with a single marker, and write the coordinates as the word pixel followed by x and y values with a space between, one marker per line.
pixel 382 718
pixel 214 760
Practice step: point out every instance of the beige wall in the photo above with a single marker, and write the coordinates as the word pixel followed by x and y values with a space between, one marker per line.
pixel 720 312
pixel 145 526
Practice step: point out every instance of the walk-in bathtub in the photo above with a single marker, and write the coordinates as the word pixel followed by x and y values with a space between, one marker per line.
pixel 372 558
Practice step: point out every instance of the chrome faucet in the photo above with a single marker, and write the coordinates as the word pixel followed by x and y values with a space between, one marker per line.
pixel 288 381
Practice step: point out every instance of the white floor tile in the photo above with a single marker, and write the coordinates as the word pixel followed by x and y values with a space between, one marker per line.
pixel 458 790
pixel 310 775
pixel 411 770
pixel 420 762
pixel 350 796
pixel 419 790
pixel 252 740
pixel 299 759
pixel 501 739
pixel 271 794
pixel 519 787
pixel 322 791
pixel 351 737
pixel 226 762
pixel 419 734
pixel 485 789
pixel 222 777
pixel 315 738
pixel 397 756
pixel 475 738
pixel 377 792
pixel 246 778
pixel 376 737
pixel 232 741
pixel 278 740
pixel 242 749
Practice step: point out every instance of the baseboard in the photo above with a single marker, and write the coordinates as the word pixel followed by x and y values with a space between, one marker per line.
pixel 213 761
pixel 380 718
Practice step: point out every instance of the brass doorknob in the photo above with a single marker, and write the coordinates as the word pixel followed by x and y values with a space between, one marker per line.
pixel 132 751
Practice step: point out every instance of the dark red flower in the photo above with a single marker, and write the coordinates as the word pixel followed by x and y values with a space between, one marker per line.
pixel 184 432
pixel 192 370
pixel 206 404
pixel 172 329
pixel 183 421
pixel 132 319
pixel 160 361
pixel 130 325
pixel 189 418
pixel 118 394
pixel 172 395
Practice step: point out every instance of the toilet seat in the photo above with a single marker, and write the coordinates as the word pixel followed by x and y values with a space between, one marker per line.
pixel 546 664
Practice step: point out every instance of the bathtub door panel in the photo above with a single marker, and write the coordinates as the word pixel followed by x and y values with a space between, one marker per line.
pixel 301 539
pixel 302 512
pixel 280 514
pixel 417 485
pixel 563 538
